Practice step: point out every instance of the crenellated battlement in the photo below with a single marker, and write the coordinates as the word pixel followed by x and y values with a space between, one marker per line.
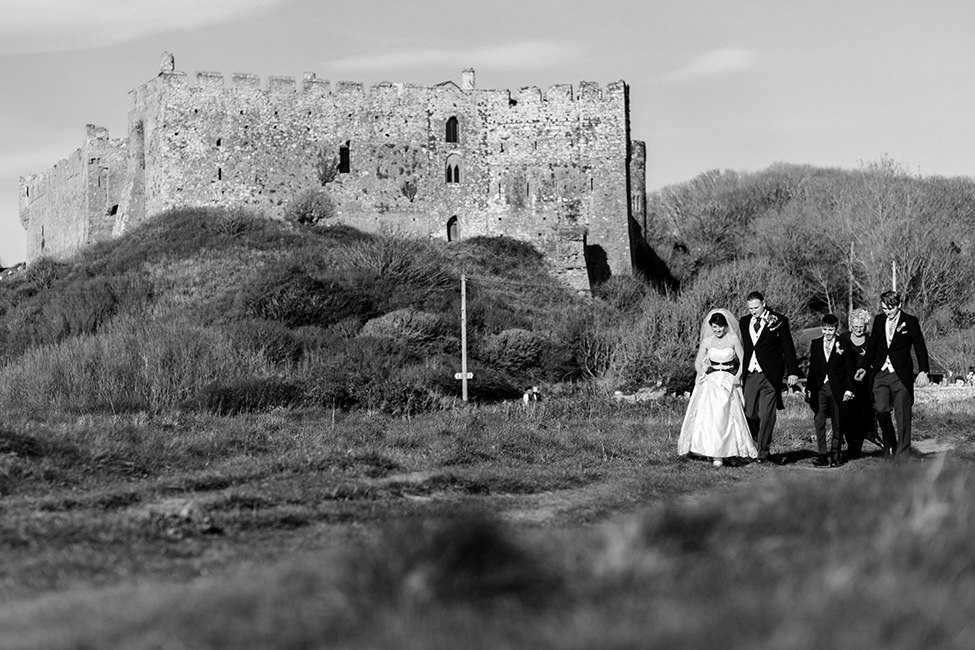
pixel 209 81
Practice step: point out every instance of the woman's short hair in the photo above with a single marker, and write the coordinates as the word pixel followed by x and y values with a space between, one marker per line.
pixel 717 318
pixel 860 315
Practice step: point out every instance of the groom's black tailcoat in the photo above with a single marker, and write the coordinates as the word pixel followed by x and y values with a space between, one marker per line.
pixel 907 335
pixel 775 350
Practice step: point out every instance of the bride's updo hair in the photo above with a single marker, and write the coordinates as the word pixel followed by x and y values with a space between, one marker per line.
pixel 718 319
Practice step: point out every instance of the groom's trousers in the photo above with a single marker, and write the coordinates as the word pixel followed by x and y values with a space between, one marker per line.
pixel 760 410
pixel 891 395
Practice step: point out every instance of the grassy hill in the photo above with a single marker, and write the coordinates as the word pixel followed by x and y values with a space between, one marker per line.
pixel 221 311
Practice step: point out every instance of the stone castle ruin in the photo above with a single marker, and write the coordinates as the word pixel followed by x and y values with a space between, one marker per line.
pixel 554 169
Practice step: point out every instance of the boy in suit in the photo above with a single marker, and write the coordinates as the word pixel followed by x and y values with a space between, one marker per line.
pixel 825 387
pixel 888 357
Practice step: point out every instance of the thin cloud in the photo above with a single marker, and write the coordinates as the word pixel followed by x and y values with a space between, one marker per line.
pixel 535 54
pixel 716 63
pixel 33 26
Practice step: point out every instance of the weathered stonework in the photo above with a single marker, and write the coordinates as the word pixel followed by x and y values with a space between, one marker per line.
pixel 556 169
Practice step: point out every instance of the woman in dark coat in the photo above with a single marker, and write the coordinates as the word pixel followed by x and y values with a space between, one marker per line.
pixel 858 422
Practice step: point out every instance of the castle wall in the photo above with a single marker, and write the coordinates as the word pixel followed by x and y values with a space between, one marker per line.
pixel 69 206
pixel 551 168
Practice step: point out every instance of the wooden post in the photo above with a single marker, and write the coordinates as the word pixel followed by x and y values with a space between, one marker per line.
pixel 463 337
pixel 463 375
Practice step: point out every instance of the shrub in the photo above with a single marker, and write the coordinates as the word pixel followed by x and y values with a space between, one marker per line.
pixel 502 256
pixel 954 351
pixel 622 292
pixel 514 351
pixel 249 394
pixel 277 343
pixel 417 329
pixel 310 208
pixel 401 272
pixel 294 298
pixel 129 365
pixel 358 374
pixel 72 308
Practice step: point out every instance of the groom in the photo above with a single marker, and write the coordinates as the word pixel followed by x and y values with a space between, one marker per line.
pixel 769 353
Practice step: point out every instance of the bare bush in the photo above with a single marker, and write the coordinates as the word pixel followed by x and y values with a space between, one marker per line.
pixel 310 208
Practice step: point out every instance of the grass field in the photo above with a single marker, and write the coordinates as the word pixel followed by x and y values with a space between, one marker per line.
pixel 572 525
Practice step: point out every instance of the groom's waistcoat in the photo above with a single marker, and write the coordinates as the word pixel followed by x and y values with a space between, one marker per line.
pixel 774 348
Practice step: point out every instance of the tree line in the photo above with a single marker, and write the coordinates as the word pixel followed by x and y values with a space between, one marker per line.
pixel 845 235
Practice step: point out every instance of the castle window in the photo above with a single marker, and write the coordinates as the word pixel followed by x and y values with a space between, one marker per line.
pixel 453 172
pixel 452 130
pixel 452 233
pixel 113 210
pixel 219 141
pixel 345 163
pixel 219 173
pixel 452 169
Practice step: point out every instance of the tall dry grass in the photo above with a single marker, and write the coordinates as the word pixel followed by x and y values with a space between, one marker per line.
pixel 131 364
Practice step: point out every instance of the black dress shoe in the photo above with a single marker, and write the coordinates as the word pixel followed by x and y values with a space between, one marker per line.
pixel 761 460
pixel 822 460
pixel 834 459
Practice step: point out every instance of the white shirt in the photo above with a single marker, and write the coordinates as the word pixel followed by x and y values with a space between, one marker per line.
pixel 889 330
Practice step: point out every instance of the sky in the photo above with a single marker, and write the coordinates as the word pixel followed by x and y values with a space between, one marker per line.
pixel 714 84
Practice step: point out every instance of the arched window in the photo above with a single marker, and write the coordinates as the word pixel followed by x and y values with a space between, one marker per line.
pixel 452 169
pixel 345 162
pixel 452 234
pixel 452 130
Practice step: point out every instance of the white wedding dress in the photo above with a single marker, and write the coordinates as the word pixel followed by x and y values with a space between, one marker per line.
pixel 714 424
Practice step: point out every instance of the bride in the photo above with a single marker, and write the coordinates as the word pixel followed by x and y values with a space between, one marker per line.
pixel 714 424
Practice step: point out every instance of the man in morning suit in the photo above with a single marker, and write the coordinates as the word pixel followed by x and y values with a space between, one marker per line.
pixel 888 357
pixel 769 353
pixel 825 388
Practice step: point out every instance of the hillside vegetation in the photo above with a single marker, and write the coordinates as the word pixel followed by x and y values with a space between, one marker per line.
pixel 230 312
pixel 841 237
